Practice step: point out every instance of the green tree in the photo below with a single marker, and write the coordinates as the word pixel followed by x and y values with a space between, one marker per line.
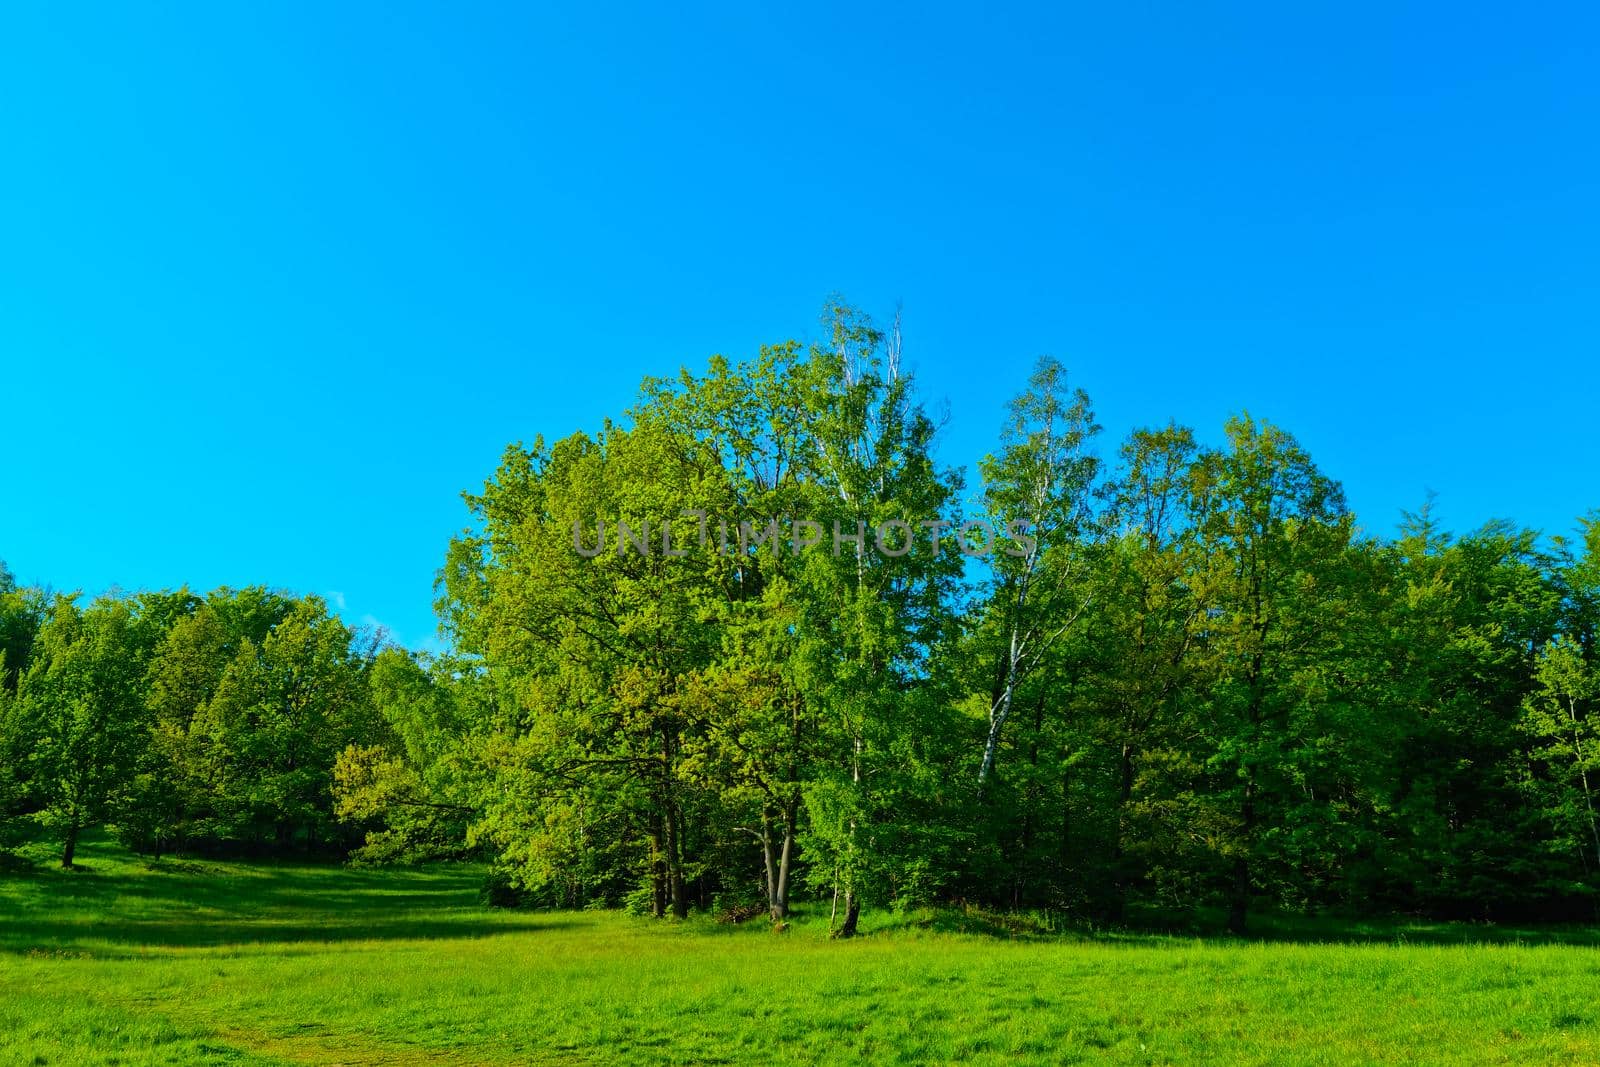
pixel 1038 493
pixel 170 801
pixel 585 653
pixel 282 712
pixel 1272 530
pixel 22 613
pixel 414 786
pixel 1467 618
pixel 876 613
pixel 1559 719
pixel 1153 599
pixel 82 699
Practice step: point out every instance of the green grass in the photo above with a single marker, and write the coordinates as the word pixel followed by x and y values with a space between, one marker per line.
pixel 201 962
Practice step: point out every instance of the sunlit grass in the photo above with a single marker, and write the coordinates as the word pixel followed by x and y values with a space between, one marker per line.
pixel 195 962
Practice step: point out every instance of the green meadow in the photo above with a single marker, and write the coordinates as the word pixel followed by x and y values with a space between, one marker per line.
pixel 184 961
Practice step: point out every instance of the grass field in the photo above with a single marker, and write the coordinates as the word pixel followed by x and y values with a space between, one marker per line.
pixel 201 962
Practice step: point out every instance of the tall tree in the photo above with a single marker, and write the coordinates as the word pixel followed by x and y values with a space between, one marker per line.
pixel 586 649
pixel 1272 528
pixel 282 712
pixel 82 697
pixel 1155 595
pixel 170 800
pixel 877 610
pixel 1038 493
pixel 1560 720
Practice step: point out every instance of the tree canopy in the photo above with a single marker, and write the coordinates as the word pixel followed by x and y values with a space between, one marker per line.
pixel 752 642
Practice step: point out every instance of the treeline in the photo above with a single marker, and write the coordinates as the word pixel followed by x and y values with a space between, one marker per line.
pixel 1194 682
pixel 183 721
pixel 1108 674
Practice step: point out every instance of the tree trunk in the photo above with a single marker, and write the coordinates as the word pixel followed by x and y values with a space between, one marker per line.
pixel 780 898
pixel 1118 851
pixel 1239 902
pixel 1065 855
pixel 998 714
pixel 1583 776
pixel 658 874
pixel 70 846
pixel 852 902
pixel 680 898
pixel 852 915
pixel 768 863
pixel 1239 897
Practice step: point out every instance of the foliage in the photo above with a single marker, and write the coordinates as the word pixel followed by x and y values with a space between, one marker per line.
pixel 743 644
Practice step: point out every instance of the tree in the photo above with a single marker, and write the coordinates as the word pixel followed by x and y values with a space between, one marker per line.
pixel 1038 494
pixel 22 612
pixel 1559 719
pixel 585 654
pixel 1468 616
pixel 873 619
pixel 659 708
pixel 1561 713
pixel 757 739
pixel 282 712
pixel 169 800
pixel 1271 530
pixel 1154 598
pixel 81 697
pixel 414 786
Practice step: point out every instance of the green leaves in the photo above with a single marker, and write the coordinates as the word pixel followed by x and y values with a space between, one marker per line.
pixel 81 708
pixel 683 667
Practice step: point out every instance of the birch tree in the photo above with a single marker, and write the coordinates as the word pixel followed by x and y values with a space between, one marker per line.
pixel 1560 718
pixel 1039 496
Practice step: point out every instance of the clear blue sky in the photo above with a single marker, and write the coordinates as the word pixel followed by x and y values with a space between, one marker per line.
pixel 276 286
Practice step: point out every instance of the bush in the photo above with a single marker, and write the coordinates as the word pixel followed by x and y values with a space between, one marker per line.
pixel 640 901
pixel 499 890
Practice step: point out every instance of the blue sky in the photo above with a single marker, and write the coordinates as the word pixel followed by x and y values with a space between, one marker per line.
pixel 275 286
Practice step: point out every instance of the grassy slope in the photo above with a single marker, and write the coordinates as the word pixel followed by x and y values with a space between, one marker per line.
pixel 211 962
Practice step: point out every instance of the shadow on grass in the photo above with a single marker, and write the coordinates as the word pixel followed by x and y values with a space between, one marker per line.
pixel 129 938
pixel 1210 925
pixel 111 906
pixel 117 905
pixel 1279 928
